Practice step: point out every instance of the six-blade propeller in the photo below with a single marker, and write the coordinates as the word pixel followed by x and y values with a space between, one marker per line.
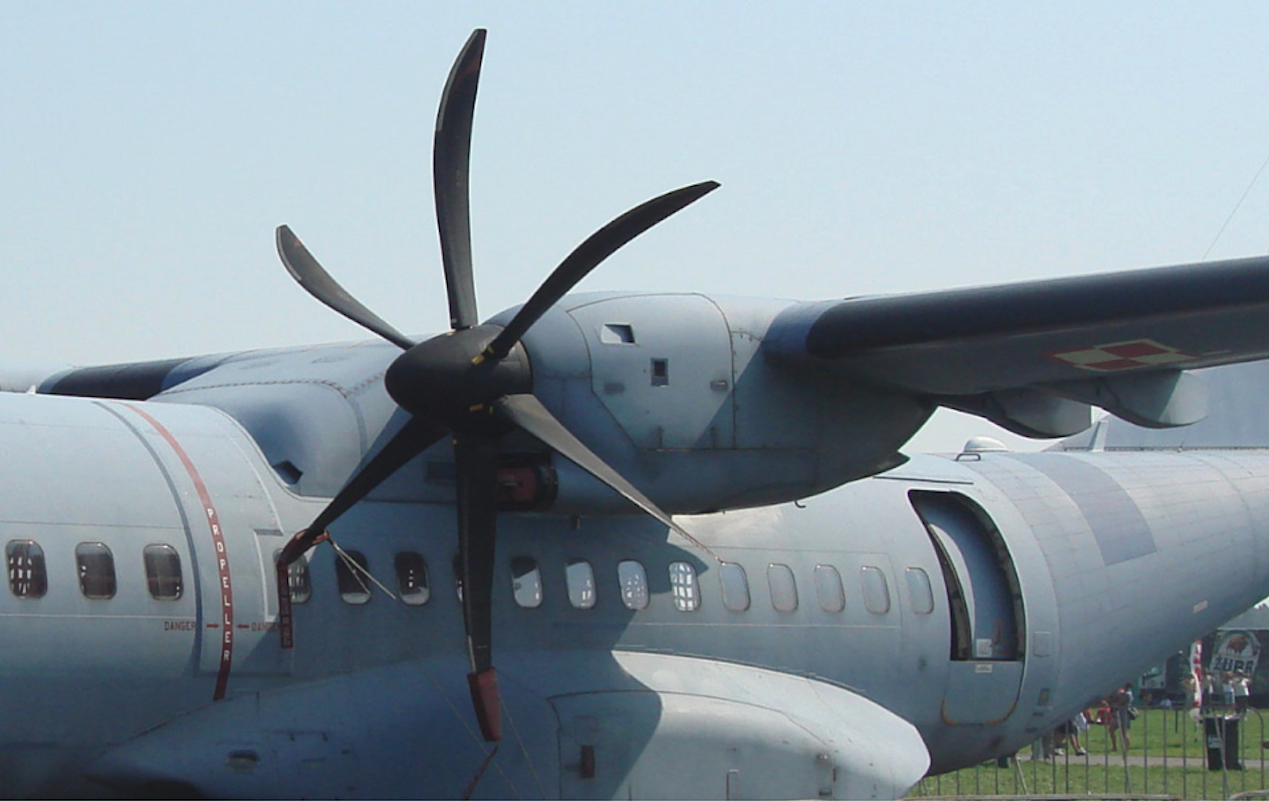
pixel 474 383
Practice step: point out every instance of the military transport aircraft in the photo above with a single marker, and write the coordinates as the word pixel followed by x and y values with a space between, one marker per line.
pixel 635 545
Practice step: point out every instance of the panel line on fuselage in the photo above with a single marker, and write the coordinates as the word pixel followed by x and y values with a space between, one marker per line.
pixel 219 548
pixel 196 575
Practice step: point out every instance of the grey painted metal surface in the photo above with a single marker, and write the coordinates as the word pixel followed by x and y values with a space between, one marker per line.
pixel 369 682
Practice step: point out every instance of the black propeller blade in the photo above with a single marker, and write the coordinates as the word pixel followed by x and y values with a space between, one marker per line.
pixel 476 459
pixel 451 157
pixel 474 382
pixel 415 436
pixel 528 413
pixel 588 255
pixel 314 278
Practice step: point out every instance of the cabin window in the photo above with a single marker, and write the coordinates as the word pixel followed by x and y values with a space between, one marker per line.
pixel 352 575
pixel 876 590
pixel 828 588
pixel 634 584
pixel 683 586
pixel 412 584
pixel 297 579
pixel 526 582
pixel 735 587
pixel 27 575
pixel 919 590
pixel 96 566
pixel 580 578
pixel 784 588
pixel 162 572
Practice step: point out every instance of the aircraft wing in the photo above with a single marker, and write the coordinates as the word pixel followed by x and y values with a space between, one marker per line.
pixel 1033 355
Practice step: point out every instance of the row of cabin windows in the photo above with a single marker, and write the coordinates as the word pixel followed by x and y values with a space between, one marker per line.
pixel 632 581
pixel 352 574
pixel 95 565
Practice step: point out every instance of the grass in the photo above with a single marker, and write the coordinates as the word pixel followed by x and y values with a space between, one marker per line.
pixel 1095 781
pixel 1177 766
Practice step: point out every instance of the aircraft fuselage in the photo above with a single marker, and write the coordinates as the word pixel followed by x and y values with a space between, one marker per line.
pixel 979 601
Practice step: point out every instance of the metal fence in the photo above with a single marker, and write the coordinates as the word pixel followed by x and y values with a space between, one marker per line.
pixel 1170 756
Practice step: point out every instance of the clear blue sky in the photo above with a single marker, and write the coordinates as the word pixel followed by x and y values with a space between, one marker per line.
pixel 148 150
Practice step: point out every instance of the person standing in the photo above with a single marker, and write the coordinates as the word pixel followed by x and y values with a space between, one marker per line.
pixel 1079 727
pixel 1120 703
pixel 1242 692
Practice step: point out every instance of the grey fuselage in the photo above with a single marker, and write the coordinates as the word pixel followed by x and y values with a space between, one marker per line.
pixel 1071 573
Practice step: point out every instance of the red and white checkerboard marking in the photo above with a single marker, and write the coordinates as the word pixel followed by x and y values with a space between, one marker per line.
pixel 1123 356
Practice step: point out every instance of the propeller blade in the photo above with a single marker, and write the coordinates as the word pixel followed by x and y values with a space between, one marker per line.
pixel 589 254
pixel 314 278
pixel 476 460
pixel 527 412
pixel 451 157
pixel 414 437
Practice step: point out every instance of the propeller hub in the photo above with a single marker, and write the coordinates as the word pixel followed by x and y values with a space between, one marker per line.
pixel 447 381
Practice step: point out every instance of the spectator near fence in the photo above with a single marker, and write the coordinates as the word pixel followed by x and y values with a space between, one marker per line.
pixel 1121 715
pixel 1069 733
pixel 1242 692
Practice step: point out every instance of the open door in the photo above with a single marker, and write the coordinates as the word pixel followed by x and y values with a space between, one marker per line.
pixel 986 624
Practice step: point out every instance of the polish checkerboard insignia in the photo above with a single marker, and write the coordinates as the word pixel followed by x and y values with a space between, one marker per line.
pixel 1129 355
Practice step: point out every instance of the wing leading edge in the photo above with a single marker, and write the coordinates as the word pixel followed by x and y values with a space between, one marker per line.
pixel 1034 356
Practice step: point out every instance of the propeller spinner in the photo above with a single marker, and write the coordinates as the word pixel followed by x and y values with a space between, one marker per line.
pixel 474 383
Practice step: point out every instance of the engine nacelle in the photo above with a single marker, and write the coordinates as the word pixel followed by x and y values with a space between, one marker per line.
pixel 675 392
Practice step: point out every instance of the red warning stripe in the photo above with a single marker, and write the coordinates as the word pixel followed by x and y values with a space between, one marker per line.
pixel 218 544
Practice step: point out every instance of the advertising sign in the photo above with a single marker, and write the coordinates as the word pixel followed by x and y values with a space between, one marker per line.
pixel 1236 651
